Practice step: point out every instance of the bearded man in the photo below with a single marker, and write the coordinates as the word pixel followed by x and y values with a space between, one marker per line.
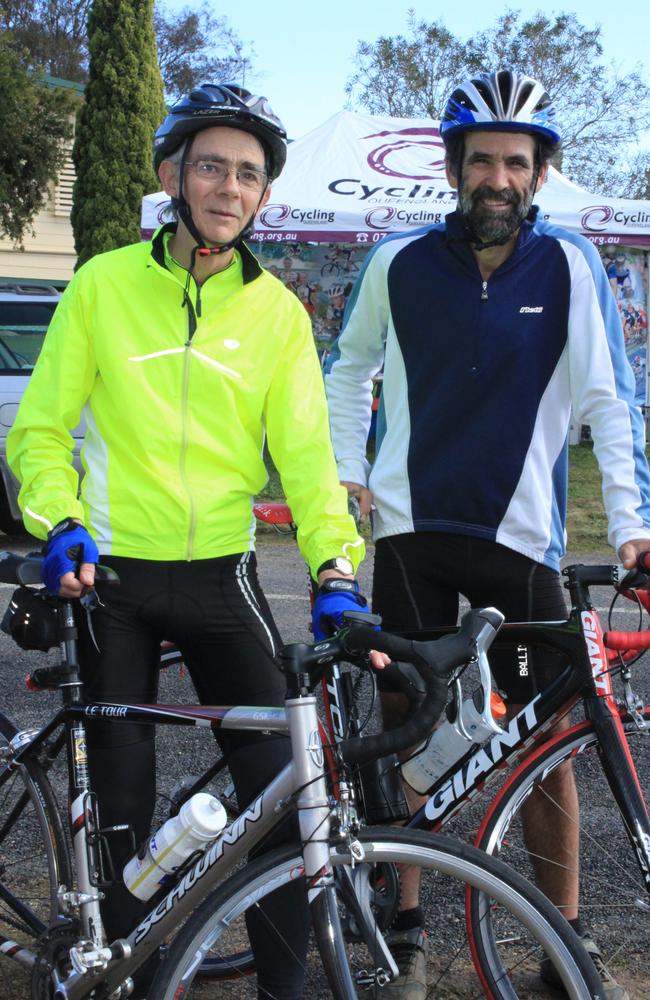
pixel 493 328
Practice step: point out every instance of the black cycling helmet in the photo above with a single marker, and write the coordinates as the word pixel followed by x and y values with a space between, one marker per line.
pixel 223 104
pixel 505 101
pixel 219 104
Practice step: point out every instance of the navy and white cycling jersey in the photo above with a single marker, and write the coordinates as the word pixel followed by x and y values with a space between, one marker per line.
pixel 480 379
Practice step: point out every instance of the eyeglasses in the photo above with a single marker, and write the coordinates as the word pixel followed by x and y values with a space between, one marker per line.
pixel 216 172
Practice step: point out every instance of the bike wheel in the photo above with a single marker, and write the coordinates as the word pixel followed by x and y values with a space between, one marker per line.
pixel 614 901
pixel 529 925
pixel 34 859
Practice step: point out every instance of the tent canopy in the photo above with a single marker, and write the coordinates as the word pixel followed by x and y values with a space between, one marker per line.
pixel 358 177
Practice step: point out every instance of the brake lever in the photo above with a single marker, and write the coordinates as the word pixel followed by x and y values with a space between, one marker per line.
pixel 632 579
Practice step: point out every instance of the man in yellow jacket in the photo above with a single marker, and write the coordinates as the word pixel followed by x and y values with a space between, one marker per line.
pixel 183 356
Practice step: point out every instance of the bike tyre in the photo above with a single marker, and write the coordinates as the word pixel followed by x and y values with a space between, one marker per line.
pixel 438 856
pixel 34 852
pixel 608 901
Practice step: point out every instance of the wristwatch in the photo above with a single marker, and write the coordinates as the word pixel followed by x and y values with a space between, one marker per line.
pixel 335 585
pixel 342 564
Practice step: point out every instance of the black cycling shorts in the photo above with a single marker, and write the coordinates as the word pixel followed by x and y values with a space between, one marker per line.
pixel 418 580
pixel 215 611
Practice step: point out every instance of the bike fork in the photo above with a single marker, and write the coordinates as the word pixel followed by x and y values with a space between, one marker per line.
pixel 621 775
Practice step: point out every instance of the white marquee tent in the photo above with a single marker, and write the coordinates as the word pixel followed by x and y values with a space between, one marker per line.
pixel 357 177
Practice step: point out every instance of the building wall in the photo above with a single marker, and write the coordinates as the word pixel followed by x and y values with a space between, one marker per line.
pixel 49 254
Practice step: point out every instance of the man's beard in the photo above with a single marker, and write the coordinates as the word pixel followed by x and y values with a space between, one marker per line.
pixel 487 224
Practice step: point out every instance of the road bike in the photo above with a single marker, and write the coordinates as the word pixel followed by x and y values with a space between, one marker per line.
pixel 608 745
pixel 50 920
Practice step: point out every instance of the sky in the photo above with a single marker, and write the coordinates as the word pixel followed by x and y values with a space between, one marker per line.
pixel 304 52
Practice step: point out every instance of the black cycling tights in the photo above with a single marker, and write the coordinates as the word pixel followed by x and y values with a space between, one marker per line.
pixel 417 581
pixel 216 613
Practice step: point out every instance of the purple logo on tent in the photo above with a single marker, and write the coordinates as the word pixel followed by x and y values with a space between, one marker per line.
pixel 164 212
pixel 415 153
pixel 596 217
pixel 274 215
pixel 380 218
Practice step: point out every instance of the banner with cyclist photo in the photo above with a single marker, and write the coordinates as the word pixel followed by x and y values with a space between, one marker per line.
pixel 321 275
pixel 627 270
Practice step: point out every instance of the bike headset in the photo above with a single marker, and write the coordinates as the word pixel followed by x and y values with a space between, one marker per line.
pixel 504 101
pixel 207 106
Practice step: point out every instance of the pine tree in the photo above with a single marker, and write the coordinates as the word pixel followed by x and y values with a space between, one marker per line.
pixel 113 144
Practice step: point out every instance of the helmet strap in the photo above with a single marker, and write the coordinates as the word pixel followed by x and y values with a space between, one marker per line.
pixel 184 212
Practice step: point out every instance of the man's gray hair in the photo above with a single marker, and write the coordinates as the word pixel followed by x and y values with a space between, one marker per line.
pixel 177 155
pixel 171 215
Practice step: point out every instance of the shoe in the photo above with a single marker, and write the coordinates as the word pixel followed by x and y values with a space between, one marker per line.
pixel 612 990
pixel 409 949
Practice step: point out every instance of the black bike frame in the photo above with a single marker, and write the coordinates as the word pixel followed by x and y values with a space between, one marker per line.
pixel 587 678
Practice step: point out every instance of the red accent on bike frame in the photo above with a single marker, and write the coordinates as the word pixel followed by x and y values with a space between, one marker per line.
pixel 78 824
pixel 603 681
pixel 593 636
pixel 330 760
pixel 210 713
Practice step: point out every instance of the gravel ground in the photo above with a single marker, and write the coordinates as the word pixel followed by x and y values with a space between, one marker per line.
pixel 283 578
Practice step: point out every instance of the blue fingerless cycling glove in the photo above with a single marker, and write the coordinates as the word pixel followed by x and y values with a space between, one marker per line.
pixel 334 597
pixel 68 545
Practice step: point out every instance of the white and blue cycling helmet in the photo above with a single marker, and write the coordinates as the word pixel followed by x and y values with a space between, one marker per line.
pixel 505 101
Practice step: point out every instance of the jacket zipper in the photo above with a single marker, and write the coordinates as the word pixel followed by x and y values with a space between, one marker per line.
pixel 477 339
pixel 191 330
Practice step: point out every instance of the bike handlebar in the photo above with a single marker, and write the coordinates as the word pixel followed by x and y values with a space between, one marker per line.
pixel 623 641
pixel 434 661
pixel 28 570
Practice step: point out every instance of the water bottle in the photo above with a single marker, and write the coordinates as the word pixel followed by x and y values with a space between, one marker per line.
pixel 199 821
pixel 447 744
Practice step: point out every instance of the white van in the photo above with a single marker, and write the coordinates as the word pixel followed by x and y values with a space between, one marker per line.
pixel 25 312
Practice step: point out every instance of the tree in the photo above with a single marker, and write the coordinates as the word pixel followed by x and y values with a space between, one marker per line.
pixel 638 180
pixel 34 129
pixel 408 77
pixel 51 34
pixel 601 110
pixel 195 46
pixel 113 144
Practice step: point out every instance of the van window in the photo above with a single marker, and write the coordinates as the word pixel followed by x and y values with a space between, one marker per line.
pixel 22 329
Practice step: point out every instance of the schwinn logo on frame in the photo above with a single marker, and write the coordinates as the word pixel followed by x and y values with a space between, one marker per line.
pixel 203 865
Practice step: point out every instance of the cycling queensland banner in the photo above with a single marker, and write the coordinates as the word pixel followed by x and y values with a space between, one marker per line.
pixel 359 177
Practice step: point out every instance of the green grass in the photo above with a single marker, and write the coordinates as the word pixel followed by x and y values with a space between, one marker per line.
pixel 586 522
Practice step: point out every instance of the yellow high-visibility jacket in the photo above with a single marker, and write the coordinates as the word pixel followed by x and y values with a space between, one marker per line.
pixel 178 387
